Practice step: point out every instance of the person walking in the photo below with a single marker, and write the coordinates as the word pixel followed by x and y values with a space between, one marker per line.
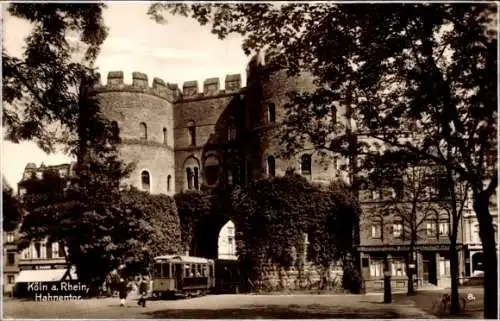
pixel 122 292
pixel 143 290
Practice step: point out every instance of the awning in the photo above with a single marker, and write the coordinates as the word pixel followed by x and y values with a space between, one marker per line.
pixel 53 275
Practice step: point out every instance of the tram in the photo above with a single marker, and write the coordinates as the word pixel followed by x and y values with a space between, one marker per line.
pixel 184 275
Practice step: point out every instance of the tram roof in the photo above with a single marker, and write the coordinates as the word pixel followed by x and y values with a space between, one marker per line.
pixel 183 258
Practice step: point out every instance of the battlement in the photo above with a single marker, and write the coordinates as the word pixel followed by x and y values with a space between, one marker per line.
pixel 171 92
pixel 211 87
pixel 140 84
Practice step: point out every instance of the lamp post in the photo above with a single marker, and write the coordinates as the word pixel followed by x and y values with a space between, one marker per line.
pixel 387 286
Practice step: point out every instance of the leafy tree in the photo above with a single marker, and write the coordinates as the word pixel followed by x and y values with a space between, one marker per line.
pixel 148 226
pixel 12 209
pixel 392 66
pixel 41 88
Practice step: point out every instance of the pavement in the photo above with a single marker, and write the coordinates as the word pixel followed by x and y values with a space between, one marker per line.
pixel 234 306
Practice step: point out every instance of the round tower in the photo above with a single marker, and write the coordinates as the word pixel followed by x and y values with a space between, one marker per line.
pixel 144 117
pixel 267 95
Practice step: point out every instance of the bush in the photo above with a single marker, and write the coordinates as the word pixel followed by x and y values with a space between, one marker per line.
pixel 352 279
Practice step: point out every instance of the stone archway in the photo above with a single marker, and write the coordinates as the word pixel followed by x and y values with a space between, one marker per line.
pixel 227 242
pixel 205 242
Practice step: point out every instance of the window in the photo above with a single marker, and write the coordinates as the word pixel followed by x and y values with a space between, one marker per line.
pixel 444 190
pixel 145 181
pixel 334 115
pixel 164 136
pixel 305 164
pixel 189 177
pixel 169 182
pixel 115 131
pixel 144 131
pixel 10 237
pixel 365 262
pixel 55 250
pixel 11 279
pixel 48 249
pixel 444 267
pixel 62 250
pixel 38 250
pixel 475 234
pixel 196 183
pixel 398 268
pixel 192 135
pixel 443 228
pixel 231 133
pixel 431 229
pixel 271 113
pixel 271 166
pixel 376 230
pixel 376 268
pixel 397 230
pixel 375 194
pixel 11 258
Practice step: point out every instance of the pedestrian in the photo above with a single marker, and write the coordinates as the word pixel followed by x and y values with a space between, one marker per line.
pixel 122 291
pixel 143 290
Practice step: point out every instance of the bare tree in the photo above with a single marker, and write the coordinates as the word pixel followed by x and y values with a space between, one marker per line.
pixel 411 207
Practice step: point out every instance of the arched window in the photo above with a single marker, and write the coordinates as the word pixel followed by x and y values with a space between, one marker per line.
pixel 305 164
pixel 271 113
pixel 145 181
pixel 115 131
pixel 271 166
pixel 169 182
pixel 189 177
pixel 144 131
pixel 164 135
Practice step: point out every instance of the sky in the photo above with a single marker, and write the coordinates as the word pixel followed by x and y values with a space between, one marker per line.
pixel 178 51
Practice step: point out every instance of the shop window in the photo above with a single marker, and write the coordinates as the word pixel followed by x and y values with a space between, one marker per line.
pixel 398 268
pixel 376 268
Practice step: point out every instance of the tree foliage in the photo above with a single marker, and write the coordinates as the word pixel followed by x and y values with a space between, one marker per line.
pixel 398 67
pixel 12 209
pixel 275 215
pixel 98 236
pixel 192 207
pixel 41 87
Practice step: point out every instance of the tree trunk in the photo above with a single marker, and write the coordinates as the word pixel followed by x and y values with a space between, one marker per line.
pixel 455 301
pixel 487 235
pixel 409 272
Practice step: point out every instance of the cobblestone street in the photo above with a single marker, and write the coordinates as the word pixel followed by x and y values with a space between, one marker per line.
pixel 222 306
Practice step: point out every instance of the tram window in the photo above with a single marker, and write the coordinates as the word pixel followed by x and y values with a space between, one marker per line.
pixel 211 270
pixel 193 270
pixel 187 269
pixel 157 269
